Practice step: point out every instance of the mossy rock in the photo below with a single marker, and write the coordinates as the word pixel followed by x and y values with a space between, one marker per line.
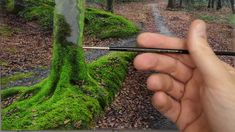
pixel 104 25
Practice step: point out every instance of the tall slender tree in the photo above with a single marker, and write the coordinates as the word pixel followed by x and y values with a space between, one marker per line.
pixel 171 4
pixel 232 6
pixel 219 5
pixel 109 6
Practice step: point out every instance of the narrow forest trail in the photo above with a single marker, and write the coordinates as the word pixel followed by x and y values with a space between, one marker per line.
pixel 132 107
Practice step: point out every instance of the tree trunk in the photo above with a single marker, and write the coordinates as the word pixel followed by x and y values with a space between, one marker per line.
pixel 183 3
pixel 109 5
pixel 171 4
pixel 209 4
pixel 219 5
pixel 212 4
pixel 189 3
pixel 232 5
pixel 68 62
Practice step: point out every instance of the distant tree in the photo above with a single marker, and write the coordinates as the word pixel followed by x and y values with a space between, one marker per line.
pixel 211 3
pixel 109 5
pixel 171 4
pixel 232 5
pixel 219 5
pixel 183 3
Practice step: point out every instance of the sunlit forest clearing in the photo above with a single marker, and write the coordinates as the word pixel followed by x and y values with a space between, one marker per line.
pixel 48 82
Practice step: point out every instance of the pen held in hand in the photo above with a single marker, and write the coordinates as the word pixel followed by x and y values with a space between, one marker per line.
pixel 155 50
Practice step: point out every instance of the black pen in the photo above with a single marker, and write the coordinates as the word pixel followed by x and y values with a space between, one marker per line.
pixel 156 50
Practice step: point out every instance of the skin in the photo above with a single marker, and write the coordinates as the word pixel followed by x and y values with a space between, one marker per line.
pixel 196 91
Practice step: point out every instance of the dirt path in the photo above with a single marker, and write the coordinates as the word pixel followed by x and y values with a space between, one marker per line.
pixel 132 107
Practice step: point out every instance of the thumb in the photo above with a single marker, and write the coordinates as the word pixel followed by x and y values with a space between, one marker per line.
pixel 201 53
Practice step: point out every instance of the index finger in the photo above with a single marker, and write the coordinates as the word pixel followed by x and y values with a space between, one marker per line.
pixel 154 40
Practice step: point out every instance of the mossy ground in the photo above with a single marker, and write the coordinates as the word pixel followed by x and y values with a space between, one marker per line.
pixel 231 19
pixel 3 62
pixel 228 19
pixel 99 23
pixel 69 106
pixel 6 30
pixel 18 76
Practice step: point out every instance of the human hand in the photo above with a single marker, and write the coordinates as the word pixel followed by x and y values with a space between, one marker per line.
pixel 195 91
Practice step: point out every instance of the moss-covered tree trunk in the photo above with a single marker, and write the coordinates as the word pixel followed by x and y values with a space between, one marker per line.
pixel 68 64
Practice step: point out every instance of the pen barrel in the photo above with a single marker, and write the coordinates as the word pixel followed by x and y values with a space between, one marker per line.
pixel 165 51
pixel 225 53
pixel 153 50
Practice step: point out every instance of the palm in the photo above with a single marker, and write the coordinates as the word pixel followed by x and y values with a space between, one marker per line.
pixel 191 115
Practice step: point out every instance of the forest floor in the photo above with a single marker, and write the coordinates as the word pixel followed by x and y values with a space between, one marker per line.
pixel 218 27
pixel 28 48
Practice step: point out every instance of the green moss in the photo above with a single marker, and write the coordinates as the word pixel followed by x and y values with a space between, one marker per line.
pixel 3 62
pixel 6 30
pixel 15 77
pixel 107 25
pixel 99 23
pixel 10 5
pixel 110 70
pixel 42 13
pixel 71 106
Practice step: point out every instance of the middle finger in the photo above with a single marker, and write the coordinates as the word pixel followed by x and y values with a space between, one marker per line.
pixel 165 64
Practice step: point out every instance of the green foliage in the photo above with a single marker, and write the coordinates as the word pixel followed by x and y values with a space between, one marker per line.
pixel 15 77
pixel 107 25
